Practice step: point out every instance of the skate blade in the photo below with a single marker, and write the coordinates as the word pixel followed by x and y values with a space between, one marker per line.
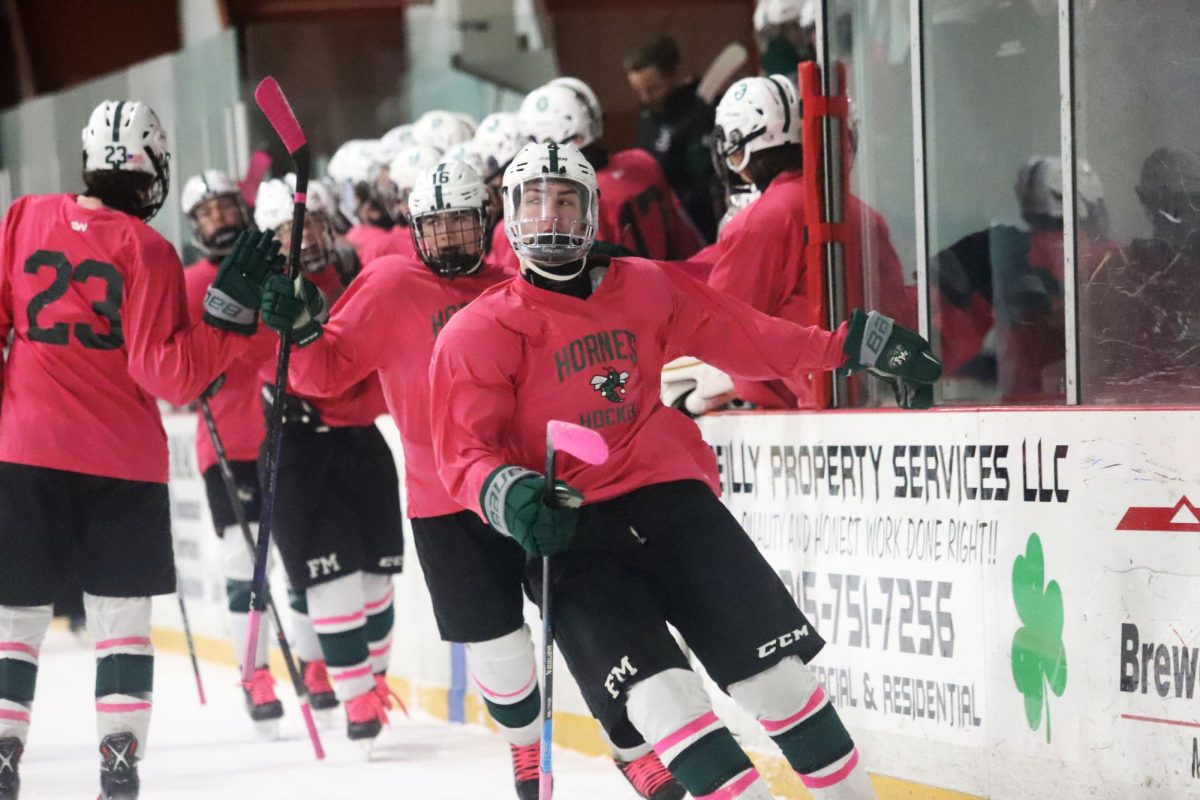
pixel 326 720
pixel 366 747
pixel 267 729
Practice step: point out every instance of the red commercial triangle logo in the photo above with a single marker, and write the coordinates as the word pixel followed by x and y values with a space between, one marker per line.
pixel 1183 517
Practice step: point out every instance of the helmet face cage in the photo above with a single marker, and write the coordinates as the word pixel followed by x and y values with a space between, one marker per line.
pixel 316 249
pixel 451 243
pixel 219 241
pixel 551 220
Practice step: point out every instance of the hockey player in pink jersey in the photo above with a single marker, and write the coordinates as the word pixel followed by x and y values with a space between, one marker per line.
pixel 474 575
pixel 94 299
pixel 337 513
pixel 641 212
pixel 583 339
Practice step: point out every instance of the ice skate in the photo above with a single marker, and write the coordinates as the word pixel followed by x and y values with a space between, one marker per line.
pixel 10 759
pixel 118 767
pixel 262 704
pixel 650 779
pixel 365 718
pixel 525 769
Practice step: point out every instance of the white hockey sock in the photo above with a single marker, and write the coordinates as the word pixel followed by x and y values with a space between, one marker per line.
pixel 336 609
pixel 381 616
pixel 790 704
pixel 120 628
pixel 505 671
pixel 239 573
pixel 22 629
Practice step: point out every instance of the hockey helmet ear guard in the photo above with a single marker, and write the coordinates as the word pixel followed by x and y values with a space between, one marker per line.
pixel 126 136
pixel 449 217
pixel 551 206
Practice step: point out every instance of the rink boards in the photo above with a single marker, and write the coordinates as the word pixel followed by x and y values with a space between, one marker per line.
pixel 1009 598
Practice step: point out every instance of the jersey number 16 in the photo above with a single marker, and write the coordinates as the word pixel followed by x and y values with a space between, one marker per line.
pixel 109 308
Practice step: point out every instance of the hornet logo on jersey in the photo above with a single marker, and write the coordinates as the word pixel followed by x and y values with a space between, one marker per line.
pixel 611 385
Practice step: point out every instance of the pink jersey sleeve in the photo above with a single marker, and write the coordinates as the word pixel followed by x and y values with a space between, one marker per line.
pixel 755 267
pixel 734 337
pixel 352 344
pixel 6 312
pixel 473 392
pixel 168 356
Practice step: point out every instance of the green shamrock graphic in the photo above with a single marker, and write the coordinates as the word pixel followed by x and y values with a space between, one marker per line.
pixel 1039 658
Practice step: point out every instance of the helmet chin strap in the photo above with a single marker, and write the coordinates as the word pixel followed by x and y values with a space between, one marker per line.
pixel 527 265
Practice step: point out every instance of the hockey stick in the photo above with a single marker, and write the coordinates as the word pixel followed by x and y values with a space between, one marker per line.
pixel 590 448
pixel 260 162
pixel 191 645
pixel 239 512
pixel 721 71
pixel 275 106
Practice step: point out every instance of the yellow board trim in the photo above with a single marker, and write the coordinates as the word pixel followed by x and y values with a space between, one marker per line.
pixel 572 731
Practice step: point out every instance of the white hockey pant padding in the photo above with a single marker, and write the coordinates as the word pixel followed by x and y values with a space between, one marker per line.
pixel 625 754
pixel 237 556
pixel 22 629
pixel 304 638
pixel 379 595
pixel 505 672
pixel 778 694
pixel 782 698
pixel 121 626
pixel 672 711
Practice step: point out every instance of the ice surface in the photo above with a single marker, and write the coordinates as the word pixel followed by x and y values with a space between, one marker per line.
pixel 213 751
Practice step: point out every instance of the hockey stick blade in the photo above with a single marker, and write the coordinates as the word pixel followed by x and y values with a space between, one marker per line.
pixel 279 113
pixel 721 71
pixel 583 443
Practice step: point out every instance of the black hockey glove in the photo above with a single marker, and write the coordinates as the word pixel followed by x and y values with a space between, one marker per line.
pixel 512 501
pixel 232 301
pixel 876 343
pixel 295 309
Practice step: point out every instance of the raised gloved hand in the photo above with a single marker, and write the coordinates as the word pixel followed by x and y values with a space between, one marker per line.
pixel 294 308
pixel 513 503
pixel 232 301
pixel 892 352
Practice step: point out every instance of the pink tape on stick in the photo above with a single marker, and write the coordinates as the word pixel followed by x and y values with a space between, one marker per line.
pixel 279 113
pixel 583 443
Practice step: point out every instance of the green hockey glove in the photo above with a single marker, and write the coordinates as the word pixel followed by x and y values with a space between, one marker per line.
pixel 512 501
pixel 876 343
pixel 294 308
pixel 232 301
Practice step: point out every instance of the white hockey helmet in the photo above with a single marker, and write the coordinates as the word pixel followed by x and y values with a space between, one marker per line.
pixel 498 140
pixel 467 120
pixel 771 13
pixel 352 163
pixel 273 207
pixel 551 206
pixel 449 212
pixel 556 114
pixel 588 97
pixel 755 114
pixel 398 137
pixel 1039 191
pixel 468 153
pixel 442 130
pixel 212 184
pixel 126 136
pixel 404 170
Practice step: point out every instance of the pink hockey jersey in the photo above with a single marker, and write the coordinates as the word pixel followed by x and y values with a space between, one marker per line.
pixel 520 356
pixel 639 210
pixel 96 304
pixel 396 242
pixel 386 323
pixel 359 236
pixel 237 406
